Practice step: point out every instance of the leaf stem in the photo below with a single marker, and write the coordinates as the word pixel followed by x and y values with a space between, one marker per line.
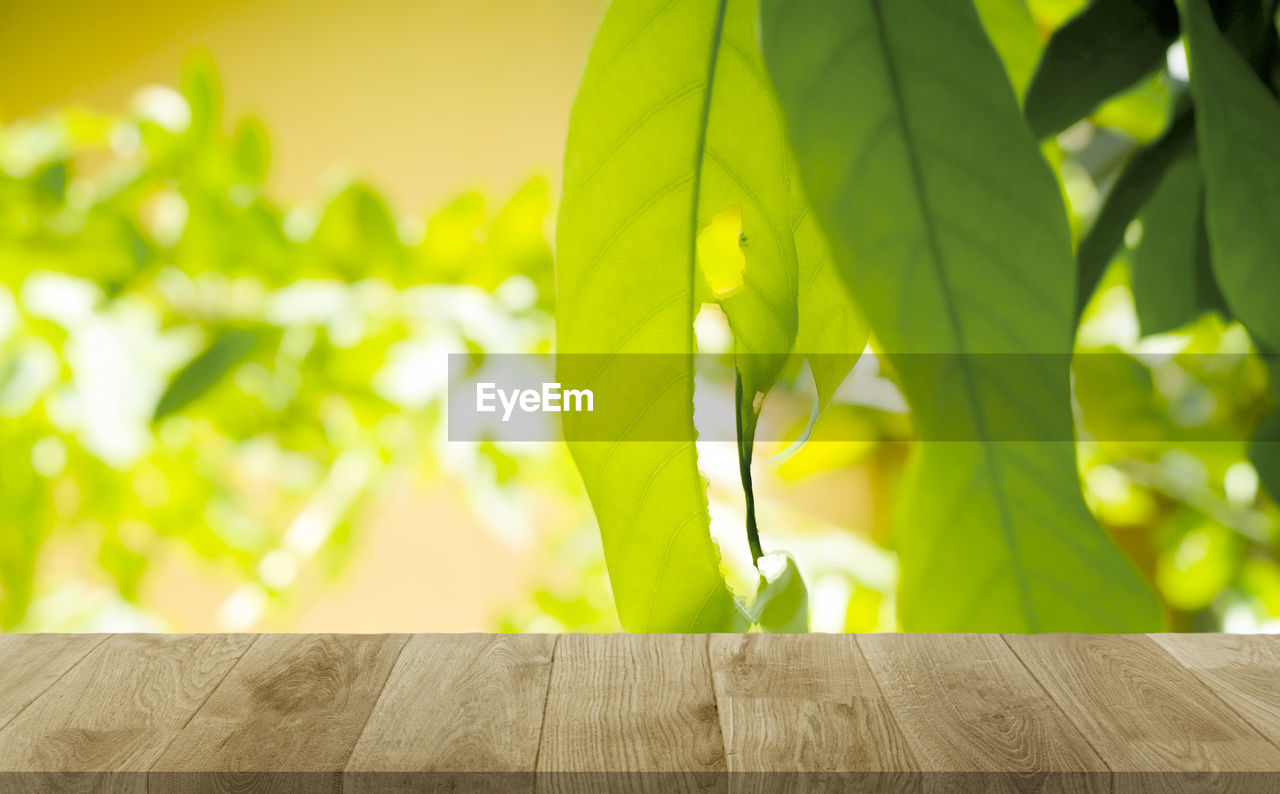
pixel 745 416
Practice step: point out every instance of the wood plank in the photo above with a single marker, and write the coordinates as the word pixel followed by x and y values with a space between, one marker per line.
pixel 643 713
pixel 975 718
pixel 34 662
pixel 631 712
pixel 1149 718
pixel 1241 669
pixel 803 713
pixel 459 711
pixel 108 719
pixel 285 719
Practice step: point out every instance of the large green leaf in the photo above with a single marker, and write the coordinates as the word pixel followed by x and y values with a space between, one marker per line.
pixel 950 232
pixel 1238 128
pixel 1105 48
pixel 674 124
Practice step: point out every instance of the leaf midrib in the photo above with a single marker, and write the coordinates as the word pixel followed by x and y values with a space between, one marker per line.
pixel 704 119
pixel 935 250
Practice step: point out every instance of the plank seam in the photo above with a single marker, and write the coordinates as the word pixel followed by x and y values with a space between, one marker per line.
pixel 200 708
pixel 101 640
pixel 546 698
pixel 391 668
pixel 1213 691
pixel 377 701
pixel 1054 701
pixel 889 710
pixel 715 703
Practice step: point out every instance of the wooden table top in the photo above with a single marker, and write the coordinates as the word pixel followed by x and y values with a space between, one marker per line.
pixel 752 712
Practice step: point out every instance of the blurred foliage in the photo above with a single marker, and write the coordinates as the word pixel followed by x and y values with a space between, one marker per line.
pixel 187 365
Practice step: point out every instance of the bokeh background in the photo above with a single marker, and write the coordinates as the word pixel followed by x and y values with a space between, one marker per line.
pixel 238 239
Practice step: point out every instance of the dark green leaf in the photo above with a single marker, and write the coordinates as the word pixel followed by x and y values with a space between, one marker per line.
pixel 1246 24
pixel 1172 282
pixel 1239 136
pixel 1238 127
pixel 1264 448
pixel 1131 191
pixel 229 349
pixel 1104 49
pixel 52 179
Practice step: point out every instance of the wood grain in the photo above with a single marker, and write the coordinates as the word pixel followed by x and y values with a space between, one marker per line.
pixel 1243 670
pixel 1144 712
pixel 631 713
pixel 285 719
pixel 742 713
pixel 803 712
pixel 459 711
pixel 975 719
pixel 34 662
pixel 104 723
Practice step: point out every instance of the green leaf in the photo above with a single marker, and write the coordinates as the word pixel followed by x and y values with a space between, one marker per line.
pixel 1104 49
pixel 832 332
pixel 781 605
pixel 1238 128
pixel 1141 112
pixel 673 124
pixel 356 237
pixel 1264 454
pixel 251 150
pixel 1128 195
pixel 1264 447
pixel 716 110
pixel 1246 24
pixel 949 229
pixel 203 91
pixel 1172 281
pixel 203 372
pixel 26 520
pixel 746 164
